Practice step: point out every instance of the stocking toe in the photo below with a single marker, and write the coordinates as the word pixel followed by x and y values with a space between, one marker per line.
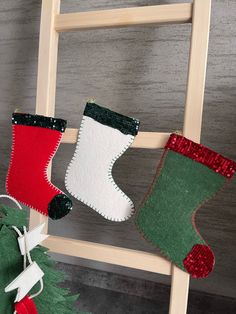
pixel 59 206
pixel 200 261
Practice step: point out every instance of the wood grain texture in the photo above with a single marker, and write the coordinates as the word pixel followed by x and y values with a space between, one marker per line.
pixel 140 72
pixel 145 15
pixel 46 79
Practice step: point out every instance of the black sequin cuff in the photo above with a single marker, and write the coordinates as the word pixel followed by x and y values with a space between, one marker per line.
pixel 40 121
pixel 124 124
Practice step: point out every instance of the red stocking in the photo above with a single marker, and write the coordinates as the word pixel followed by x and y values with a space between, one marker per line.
pixel 35 141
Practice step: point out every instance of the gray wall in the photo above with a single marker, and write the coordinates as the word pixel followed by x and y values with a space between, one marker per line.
pixel 139 72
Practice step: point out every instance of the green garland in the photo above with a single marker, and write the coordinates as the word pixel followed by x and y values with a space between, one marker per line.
pixel 53 299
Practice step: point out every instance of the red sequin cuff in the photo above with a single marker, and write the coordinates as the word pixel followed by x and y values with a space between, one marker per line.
pixel 201 154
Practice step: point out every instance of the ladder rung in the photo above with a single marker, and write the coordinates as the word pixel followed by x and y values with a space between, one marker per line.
pixel 150 140
pixel 109 254
pixel 146 15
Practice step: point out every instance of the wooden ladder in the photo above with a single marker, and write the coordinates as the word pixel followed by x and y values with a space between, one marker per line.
pixel 52 23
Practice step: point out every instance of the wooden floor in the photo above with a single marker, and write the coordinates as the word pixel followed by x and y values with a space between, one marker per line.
pixel 106 293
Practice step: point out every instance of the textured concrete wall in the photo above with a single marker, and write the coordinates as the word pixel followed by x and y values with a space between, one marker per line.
pixel 139 72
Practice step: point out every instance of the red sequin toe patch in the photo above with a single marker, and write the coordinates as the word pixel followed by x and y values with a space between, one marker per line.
pixel 200 261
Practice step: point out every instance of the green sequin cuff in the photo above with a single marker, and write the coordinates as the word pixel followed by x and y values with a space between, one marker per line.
pixel 40 121
pixel 124 124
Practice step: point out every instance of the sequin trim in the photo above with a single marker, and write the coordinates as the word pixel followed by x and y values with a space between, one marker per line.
pixel 59 206
pixel 200 261
pixel 201 154
pixel 124 124
pixel 40 121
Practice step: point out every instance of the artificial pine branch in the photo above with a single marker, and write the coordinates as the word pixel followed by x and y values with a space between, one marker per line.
pixel 54 299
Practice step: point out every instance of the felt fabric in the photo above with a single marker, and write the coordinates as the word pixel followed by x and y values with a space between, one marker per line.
pixel 167 215
pixel 32 150
pixel 40 121
pixel 26 306
pixel 11 264
pixel 89 175
pixel 113 119
pixel 200 153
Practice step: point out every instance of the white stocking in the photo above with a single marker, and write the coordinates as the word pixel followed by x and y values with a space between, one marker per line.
pixel 104 136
